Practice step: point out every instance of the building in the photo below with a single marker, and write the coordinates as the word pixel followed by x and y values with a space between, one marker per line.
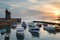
pixel 7 15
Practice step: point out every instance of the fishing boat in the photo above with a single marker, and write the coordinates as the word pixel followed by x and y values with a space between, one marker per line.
pixel 33 28
pixel 24 24
pixel 20 31
pixel 31 24
pixel 50 27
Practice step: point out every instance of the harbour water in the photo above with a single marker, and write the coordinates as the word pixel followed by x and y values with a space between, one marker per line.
pixel 42 35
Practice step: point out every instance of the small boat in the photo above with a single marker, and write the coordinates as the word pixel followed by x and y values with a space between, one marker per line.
pixel 14 25
pixel 51 27
pixel 20 31
pixel 31 24
pixel 24 24
pixel 33 27
pixel 3 31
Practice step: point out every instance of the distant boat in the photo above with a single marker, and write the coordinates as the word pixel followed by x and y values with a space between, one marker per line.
pixel 20 31
pixel 3 31
pixel 14 25
pixel 51 28
pixel 31 24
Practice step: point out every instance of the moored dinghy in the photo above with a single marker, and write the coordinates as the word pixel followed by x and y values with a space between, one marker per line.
pixel 33 28
pixel 24 24
pixel 13 25
pixel 20 31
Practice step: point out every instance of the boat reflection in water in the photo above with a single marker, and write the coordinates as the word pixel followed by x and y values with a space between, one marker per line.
pixel 7 37
pixel 20 37
pixel 41 34
pixel 34 34
pixel 51 32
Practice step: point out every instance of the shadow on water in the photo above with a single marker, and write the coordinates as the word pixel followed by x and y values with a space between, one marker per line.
pixel 51 32
pixel 25 28
pixel 35 34
pixel 20 37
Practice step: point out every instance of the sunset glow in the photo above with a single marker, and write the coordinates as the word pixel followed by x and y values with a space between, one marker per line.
pixel 56 12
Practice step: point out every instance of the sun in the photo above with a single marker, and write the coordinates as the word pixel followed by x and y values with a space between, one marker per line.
pixel 56 12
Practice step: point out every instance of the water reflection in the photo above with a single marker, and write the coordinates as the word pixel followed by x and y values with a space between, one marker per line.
pixel 20 37
pixel 7 33
pixel 7 37
pixel 10 34
pixel 51 32
pixel 34 34
pixel 25 28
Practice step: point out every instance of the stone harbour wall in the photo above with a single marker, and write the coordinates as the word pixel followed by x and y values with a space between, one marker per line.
pixel 9 22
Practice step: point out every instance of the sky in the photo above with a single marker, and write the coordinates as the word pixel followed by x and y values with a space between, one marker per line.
pixel 31 8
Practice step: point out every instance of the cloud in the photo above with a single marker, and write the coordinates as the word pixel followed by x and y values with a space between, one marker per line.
pixel 13 6
pixel 32 1
pixel 48 8
pixel 23 8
